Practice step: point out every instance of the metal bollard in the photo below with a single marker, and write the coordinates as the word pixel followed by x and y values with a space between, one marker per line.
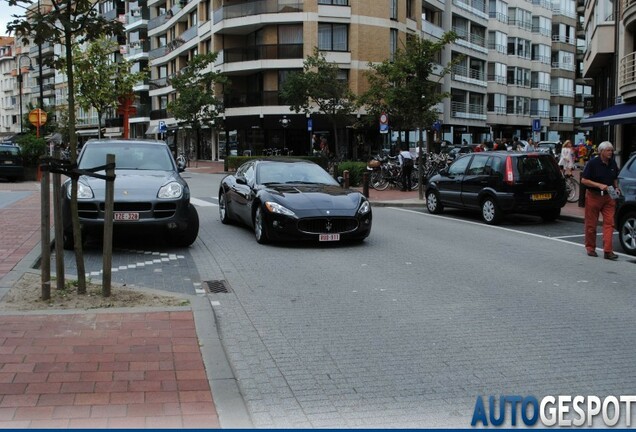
pixel 345 175
pixel 365 184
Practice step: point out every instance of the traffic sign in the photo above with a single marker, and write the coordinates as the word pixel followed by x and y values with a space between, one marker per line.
pixel 437 125
pixel 37 117
pixel 536 125
pixel 384 123
pixel 310 125
pixel 162 126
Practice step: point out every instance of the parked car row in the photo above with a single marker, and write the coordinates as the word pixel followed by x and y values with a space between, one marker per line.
pixel 291 199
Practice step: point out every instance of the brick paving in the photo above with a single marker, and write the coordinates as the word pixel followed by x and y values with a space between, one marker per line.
pixel 103 370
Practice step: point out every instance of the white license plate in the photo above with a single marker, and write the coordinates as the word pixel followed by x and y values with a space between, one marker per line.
pixel 329 237
pixel 126 216
pixel 8 162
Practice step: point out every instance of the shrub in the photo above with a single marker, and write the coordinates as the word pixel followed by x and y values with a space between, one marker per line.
pixel 356 170
pixel 32 148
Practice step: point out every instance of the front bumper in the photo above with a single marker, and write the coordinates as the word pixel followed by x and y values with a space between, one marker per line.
pixel 282 227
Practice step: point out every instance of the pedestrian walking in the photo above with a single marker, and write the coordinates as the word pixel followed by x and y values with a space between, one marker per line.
pixel 405 158
pixel 566 160
pixel 600 177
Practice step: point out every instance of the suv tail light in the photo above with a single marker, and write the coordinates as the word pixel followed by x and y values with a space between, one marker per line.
pixel 509 175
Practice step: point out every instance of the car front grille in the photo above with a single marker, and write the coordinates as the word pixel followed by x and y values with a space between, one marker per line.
pixel 327 225
pixel 160 211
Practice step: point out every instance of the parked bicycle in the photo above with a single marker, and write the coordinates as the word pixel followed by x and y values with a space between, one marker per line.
pixel 572 188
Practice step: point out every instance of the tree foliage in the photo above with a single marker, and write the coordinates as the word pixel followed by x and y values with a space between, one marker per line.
pixel 196 104
pixel 65 23
pixel 101 80
pixel 319 87
pixel 403 88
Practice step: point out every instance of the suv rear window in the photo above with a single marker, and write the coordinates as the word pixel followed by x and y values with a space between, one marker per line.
pixel 536 165
pixel 9 151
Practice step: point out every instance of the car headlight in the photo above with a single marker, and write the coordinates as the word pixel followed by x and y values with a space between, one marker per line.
pixel 364 208
pixel 273 207
pixel 170 191
pixel 83 191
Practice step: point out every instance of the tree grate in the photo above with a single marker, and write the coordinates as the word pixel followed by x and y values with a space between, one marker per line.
pixel 217 286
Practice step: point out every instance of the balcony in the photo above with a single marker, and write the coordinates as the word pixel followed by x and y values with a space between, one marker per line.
pixel 627 77
pixel 257 7
pixel 600 49
pixel 629 14
pixel 250 99
pixel 477 7
pixel 263 52
pixel 158 114
pixel 468 111
pixel 469 75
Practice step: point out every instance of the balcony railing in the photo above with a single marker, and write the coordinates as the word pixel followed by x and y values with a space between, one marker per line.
pixel 499 79
pixel 561 92
pixel 158 114
pixel 540 86
pixel 247 99
pixel 561 119
pixel 539 113
pixel 627 70
pixel 563 66
pixel 465 110
pixel 463 71
pixel 563 39
pixel 157 83
pixel 499 17
pixel 477 5
pixel 526 25
pixel 257 7
pixel 263 52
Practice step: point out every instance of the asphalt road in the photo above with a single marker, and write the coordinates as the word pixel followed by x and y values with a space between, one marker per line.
pixel 408 328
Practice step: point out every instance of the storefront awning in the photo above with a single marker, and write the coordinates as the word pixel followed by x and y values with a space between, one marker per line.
pixel 152 130
pixel 618 114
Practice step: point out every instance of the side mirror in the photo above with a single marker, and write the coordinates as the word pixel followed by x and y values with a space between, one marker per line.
pixel 444 172
pixel 241 180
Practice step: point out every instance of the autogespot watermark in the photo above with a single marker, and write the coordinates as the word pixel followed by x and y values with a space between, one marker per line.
pixel 559 410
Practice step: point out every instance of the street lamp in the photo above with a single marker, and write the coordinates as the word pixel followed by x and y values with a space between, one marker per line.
pixel 30 68
pixel 284 122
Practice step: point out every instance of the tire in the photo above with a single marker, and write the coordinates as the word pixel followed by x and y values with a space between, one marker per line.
pixel 551 215
pixel 187 236
pixel 379 181
pixel 627 232
pixel 260 227
pixel 490 212
pixel 225 219
pixel 571 189
pixel 67 240
pixel 433 204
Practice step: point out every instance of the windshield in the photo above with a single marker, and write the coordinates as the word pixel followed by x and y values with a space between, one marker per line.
pixel 128 156
pixel 301 172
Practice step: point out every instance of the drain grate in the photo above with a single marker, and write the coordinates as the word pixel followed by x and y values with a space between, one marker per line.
pixel 217 286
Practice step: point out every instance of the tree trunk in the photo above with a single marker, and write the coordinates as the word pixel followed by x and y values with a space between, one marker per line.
pixel 77 234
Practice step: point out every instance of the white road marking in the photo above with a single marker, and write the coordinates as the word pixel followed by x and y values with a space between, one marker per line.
pixel 557 239
pixel 200 203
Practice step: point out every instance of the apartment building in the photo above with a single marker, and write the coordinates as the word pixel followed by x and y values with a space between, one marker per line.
pixel 610 60
pixel 519 64
pixel 16 84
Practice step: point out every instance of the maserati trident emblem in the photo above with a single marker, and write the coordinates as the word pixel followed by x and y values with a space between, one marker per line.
pixel 328 226
pixel 125 192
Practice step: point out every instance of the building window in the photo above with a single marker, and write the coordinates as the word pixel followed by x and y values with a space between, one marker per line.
pixel 409 9
pixel 394 44
pixel 393 13
pixel 333 37
pixel 334 2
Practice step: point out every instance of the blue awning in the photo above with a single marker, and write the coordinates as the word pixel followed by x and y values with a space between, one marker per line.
pixel 618 114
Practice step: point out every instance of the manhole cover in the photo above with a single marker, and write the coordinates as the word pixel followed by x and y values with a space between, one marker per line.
pixel 217 286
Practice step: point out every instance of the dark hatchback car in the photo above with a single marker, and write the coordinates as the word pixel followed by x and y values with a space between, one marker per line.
pixel 626 207
pixel 293 200
pixel 500 182
pixel 149 192
pixel 11 165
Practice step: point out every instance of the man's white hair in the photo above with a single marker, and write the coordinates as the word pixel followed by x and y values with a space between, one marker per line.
pixel 605 145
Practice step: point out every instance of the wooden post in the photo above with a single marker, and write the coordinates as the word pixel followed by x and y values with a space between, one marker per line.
pixel 45 268
pixel 365 184
pixel 345 175
pixel 108 225
pixel 59 229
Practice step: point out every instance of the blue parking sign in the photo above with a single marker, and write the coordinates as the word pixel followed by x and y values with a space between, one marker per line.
pixel 536 125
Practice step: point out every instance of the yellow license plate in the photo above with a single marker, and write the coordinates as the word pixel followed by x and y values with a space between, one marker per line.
pixel 541 197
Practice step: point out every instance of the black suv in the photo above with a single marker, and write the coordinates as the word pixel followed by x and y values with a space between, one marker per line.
pixel 11 166
pixel 500 182
pixel 626 207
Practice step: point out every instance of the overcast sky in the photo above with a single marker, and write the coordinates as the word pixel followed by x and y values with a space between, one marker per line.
pixel 6 13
